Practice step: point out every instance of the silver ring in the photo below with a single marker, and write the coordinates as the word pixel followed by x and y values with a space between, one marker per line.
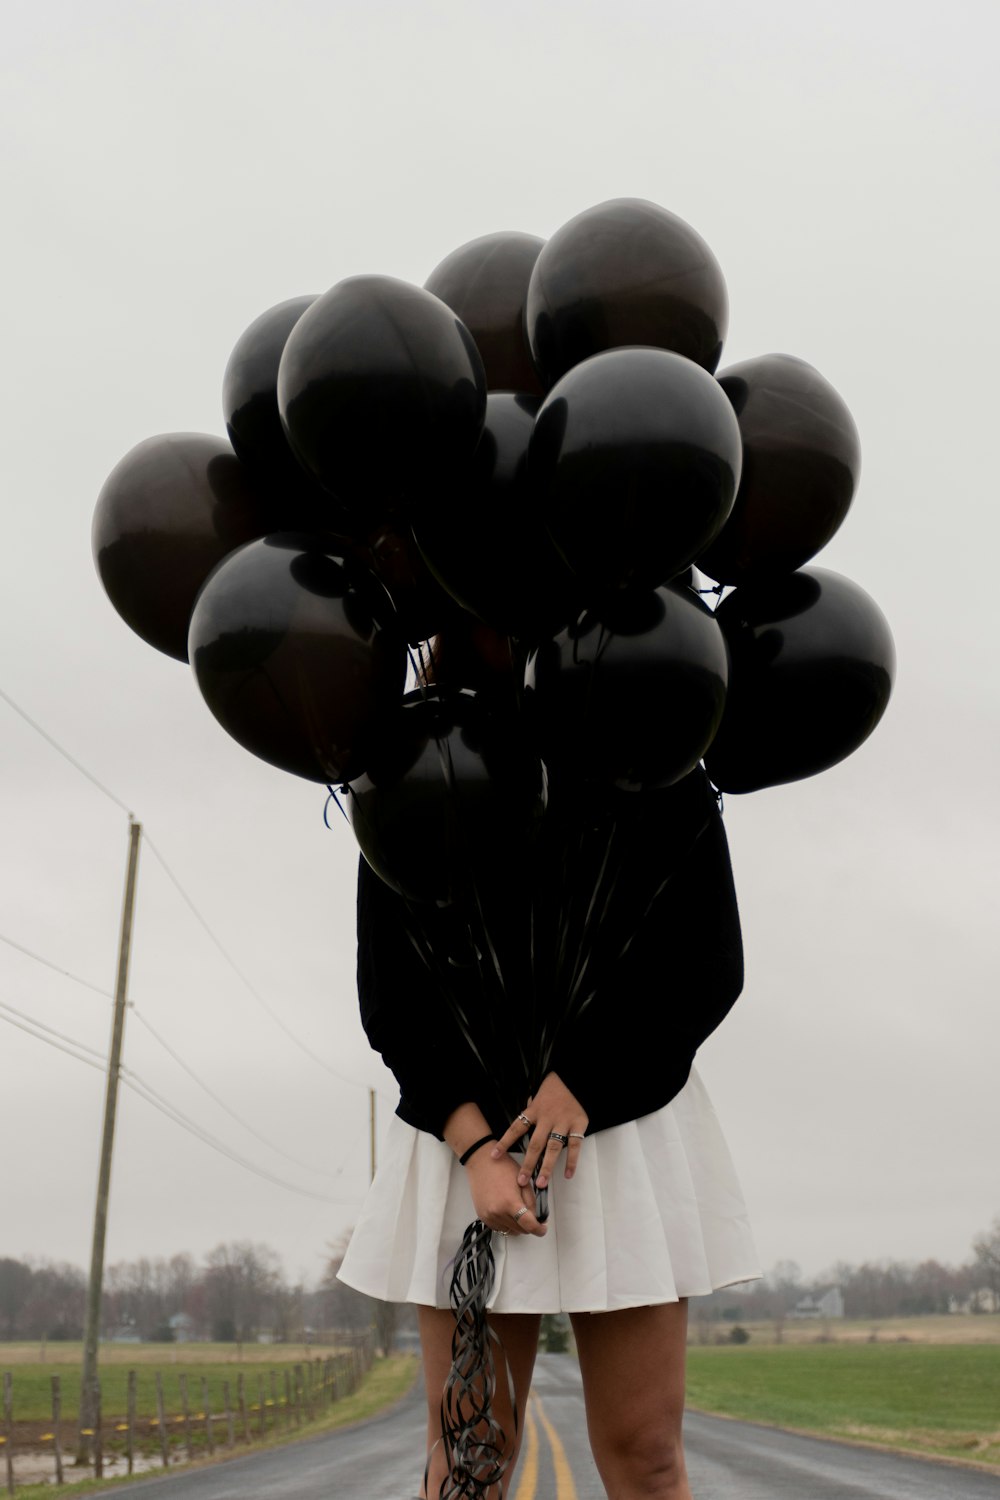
pixel 555 1136
pixel 577 1135
pixel 525 1121
pixel 504 1232
pixel 521 1210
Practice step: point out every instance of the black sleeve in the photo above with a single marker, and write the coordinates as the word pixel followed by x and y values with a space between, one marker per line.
pixel 670 965
pixel 405 1009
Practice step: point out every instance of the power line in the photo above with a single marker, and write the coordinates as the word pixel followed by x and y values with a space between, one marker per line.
pixel 28 1024
pixel 151 1096
pixel 247 984
pixel 145 1091
pixel 64 753
pixel 66 973
pixel 222 1103
pixel 106 994
pixel 244 980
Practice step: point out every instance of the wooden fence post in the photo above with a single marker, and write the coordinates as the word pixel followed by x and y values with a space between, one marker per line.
pixel 56 1419
pixel 8 1429
pixel 263 1404
pixel 208 1413
pixel 241 1401
pixel 230 1429
pixel 130 1419
pixel 297 1393
pixel 186 1409
pixel 161 1418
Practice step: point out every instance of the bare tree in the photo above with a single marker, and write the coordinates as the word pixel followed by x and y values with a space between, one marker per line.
pixel 241 1284
pixel 15 1282
pixel 986 1248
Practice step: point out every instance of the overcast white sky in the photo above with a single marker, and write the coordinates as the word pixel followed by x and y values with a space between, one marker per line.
pixel 172 169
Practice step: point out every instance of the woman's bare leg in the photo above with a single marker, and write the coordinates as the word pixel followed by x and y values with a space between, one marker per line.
pixel 518 1334
pixel 632 1363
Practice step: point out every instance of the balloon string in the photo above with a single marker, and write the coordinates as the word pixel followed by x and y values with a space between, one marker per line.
pixel 335 799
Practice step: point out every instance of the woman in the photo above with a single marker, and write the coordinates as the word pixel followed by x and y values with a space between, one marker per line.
pixel 645 1207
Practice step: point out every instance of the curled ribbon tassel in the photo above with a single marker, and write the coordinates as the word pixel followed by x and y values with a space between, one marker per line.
pixel 474 1442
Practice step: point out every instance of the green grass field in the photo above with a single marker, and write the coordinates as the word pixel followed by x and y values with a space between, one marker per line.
pixel 930 1398
pixel 32 1379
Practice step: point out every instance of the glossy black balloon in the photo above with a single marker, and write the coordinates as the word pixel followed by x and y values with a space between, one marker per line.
pixel 289 656
pixel 636 458
pixel 801 461
pixel 486 283
pixel 381 390
pixel 812 666
pixel 172 509
pixel 250 393
pixel 625 272
pixel 450 799
pixel 485 539
pixel 632 695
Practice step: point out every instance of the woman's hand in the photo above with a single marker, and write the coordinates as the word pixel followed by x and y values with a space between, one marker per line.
pixel 499 1200
pixel 557 1119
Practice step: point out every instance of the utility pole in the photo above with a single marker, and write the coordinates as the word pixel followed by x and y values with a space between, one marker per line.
pixel 371 1129
pixel 89 1405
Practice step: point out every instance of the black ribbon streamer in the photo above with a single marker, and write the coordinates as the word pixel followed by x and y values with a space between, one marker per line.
pixel 475 1445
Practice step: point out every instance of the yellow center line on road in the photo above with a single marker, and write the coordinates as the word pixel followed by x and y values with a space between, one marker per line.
pixel 565 1488
pixel 528 1483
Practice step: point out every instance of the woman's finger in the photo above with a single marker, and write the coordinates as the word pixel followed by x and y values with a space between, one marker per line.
pixel 525 1221
pixel 556 1142
pixel 535 1149
pixel 573 1152
pixel 511 1137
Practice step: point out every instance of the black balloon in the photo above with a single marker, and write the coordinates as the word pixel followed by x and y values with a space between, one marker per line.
pixel 172 509
pixel 811 670
pixel 625 272
pixel 636 458
pixel 381 391
pixel 250 393
pixel 486 283
pixel 485 539
pixel 450 799
pixel 289 656
pixel 801 460
pixel 631 696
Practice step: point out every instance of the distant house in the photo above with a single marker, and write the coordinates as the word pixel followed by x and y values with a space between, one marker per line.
pixel 125 1333
pixel 985 1300
pixel 829 1305
pixel 183 1328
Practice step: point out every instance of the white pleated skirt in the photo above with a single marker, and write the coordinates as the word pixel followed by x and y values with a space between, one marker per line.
pixel 654 1213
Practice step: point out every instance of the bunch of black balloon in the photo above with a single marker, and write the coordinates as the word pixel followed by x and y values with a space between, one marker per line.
pixel 534 445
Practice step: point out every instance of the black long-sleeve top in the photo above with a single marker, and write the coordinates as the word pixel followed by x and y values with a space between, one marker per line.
pixel 608 956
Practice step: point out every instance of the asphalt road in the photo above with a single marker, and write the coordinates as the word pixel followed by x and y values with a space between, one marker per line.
pixel 726 1460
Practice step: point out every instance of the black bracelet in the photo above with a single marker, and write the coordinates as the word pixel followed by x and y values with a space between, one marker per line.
pixel 474 1148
